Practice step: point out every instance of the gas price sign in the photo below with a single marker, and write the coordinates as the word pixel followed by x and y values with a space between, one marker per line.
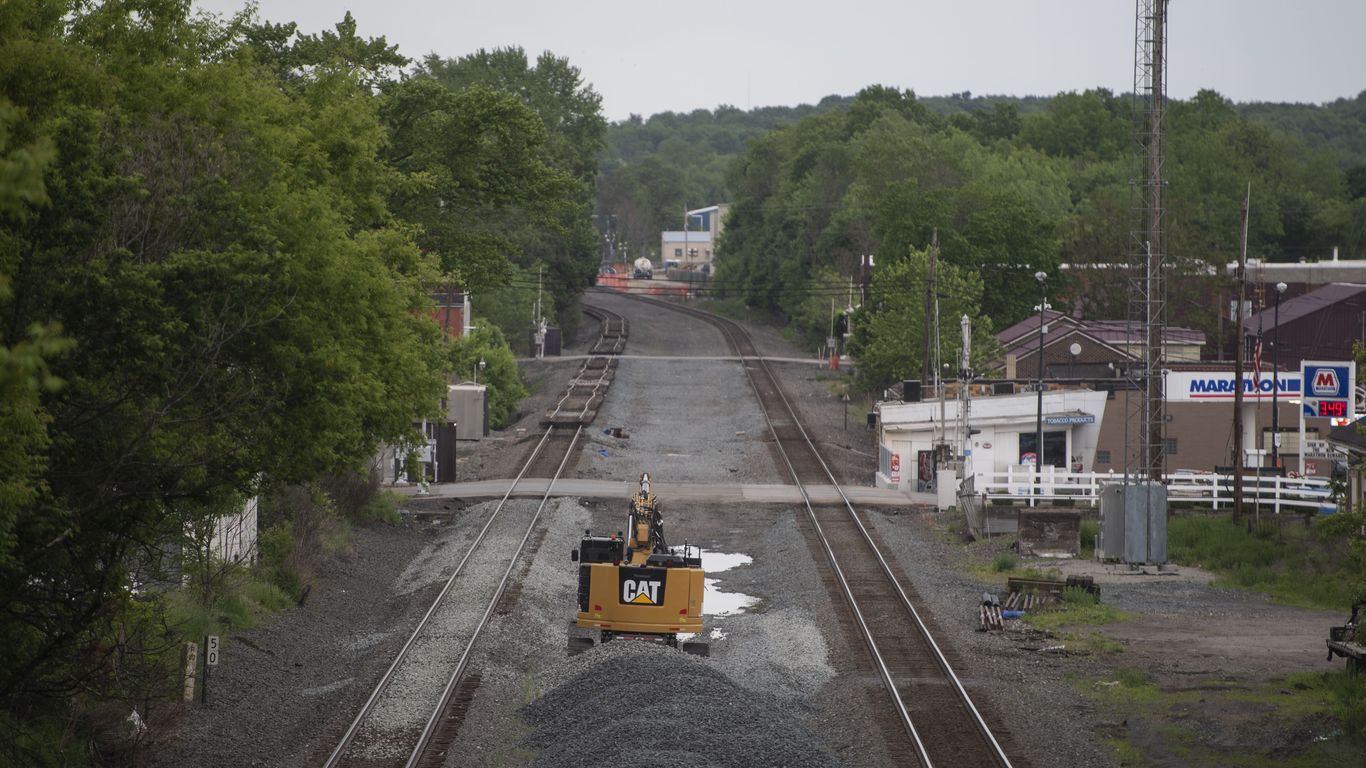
pixel 1332 409
pixel 1329 388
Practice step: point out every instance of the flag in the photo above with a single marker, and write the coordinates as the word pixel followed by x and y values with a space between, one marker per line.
pixel 1257 364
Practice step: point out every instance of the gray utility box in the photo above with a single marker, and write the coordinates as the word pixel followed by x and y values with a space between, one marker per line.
pixel 468 406
pixel 1133 523
pixel 1111 543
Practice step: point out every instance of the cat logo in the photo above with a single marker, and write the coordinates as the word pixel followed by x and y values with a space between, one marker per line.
pixel 642 586
pixel 640 591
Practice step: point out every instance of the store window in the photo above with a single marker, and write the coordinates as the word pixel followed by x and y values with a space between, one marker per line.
pixel 1054 448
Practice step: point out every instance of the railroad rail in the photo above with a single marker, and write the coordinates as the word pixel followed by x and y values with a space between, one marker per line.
pixel 384 729
pixel 941 721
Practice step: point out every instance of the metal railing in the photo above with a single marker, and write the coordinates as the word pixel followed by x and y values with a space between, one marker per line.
pixel 1277 494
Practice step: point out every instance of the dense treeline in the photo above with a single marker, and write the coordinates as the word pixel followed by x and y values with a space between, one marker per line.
pixel 1011 185
pixel 218 243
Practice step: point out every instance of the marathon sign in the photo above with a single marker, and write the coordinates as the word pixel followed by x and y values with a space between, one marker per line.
pixel 1218 385
pixel 1330 389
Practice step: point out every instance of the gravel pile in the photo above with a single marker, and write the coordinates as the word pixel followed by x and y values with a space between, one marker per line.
pixel 639 704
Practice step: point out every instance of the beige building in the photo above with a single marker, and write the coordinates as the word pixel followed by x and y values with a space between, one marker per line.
pixel 693 247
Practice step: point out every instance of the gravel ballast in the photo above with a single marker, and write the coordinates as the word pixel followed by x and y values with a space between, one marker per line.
pixel 783 684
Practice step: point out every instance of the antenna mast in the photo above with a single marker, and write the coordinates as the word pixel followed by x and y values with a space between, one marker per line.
pixel 1147 290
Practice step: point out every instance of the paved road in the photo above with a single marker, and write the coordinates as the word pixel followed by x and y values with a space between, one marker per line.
pixel 618 489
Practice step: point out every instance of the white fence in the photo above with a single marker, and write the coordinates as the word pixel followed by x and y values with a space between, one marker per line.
pixel 1276 494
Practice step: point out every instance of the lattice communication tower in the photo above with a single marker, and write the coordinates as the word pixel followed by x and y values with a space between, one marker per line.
pixel 1147 306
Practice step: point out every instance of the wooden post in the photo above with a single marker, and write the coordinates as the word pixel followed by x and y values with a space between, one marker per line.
pixel 1238 366
pixel 189 665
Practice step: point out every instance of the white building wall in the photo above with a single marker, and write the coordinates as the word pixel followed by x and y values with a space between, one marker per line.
pixel 234 536
pixel 906 429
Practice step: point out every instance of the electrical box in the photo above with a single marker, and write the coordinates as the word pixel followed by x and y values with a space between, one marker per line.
pixel 468 406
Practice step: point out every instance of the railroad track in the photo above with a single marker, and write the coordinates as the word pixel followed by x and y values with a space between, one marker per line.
pixel 940 720
pixel 431 675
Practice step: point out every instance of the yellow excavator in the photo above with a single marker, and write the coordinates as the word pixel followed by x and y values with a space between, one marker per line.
pixel 635 587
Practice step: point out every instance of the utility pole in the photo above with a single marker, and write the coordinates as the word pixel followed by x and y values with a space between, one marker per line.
pixel 1241 274
pixel 964 387
pixel 540 324
pixel 929 304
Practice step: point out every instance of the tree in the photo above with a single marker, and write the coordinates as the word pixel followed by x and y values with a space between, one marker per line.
pixel 560 234
pixel 889 331
pixel 475 174
pixel 499 371
pixel 240 302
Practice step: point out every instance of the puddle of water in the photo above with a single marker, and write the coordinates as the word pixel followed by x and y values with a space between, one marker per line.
pixel 715 562
pixel 718 603
pixel 714 601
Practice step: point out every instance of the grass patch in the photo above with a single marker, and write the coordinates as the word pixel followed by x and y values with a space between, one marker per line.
pixel 1079 607
pixel 245 600
pixel 1098 643
pixel 530 689
pixel 1303 719
pixel 382 507
pixel 1292 564
pixel 1090 531
pixel 1125 753
pixel 1004 566
pixel 1128 686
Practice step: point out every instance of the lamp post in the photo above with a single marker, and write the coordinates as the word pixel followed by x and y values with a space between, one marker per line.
pixel 482 364
pixel 1042 277
pixel 1275 380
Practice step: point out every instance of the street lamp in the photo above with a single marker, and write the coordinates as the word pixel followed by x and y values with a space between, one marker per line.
pixel 1042 277
pixel 482 364
pixel 1275 379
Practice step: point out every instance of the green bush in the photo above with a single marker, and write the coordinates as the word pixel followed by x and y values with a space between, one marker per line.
pixel 1004 561
pixel 1310 567
pixel 500 373
pixel 1090 531
pixel 275 545
pixel 1348 701
pixel 382 507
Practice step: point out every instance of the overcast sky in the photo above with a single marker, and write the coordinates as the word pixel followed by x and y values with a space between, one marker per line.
pixel 646 56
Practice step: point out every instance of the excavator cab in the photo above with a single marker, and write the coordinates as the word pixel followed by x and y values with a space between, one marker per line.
pixel 634 586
